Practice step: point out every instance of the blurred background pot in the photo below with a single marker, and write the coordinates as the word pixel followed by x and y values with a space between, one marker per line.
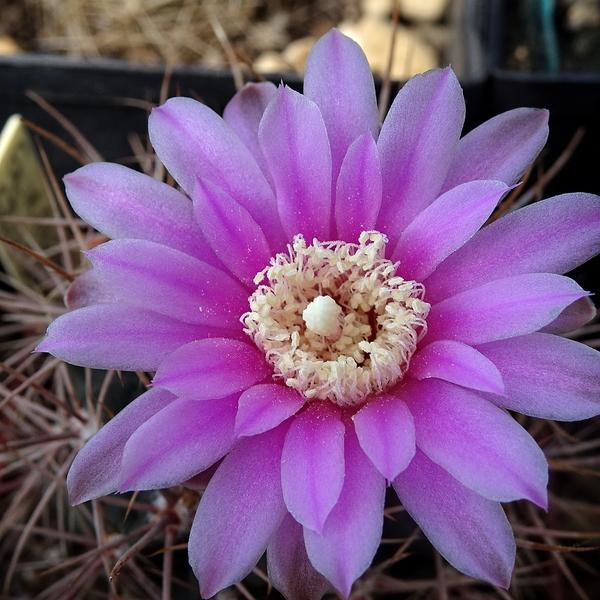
pixel 540 58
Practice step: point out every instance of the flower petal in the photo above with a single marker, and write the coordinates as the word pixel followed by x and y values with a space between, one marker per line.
pixel 476 442
pixel 289 568
pixel 118 336
pixel 294 141
pixel 265 406
pixel 247 489
pixel 194 143
pixel 501 148
pixel 232 233
pixel 312 464
pixel 212 368
pixel 96 470
pixel 552 236
pixel 458 363
pixel 444 226
pixel 187 438
pixel 352 532
pixel 122 203
pixel 358 190
pixel 87 290
pixel 199 481
pixel 339 81
pixel 503 308
pixel 470 532
pixel 547 376
pixel 386 433
pixel 573 317
pixel 243 114
pixel 168 281
pixel 416 144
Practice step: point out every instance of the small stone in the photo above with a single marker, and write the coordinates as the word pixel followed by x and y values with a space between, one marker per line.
pixel 297 52
pixel 521 53
pixel 382 9
pixel 271 62
pixel 423 10
pixel 8 45
pixel 412 55
pixel 583 14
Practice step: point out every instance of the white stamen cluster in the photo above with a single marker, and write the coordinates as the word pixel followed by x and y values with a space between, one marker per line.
pixel 334 320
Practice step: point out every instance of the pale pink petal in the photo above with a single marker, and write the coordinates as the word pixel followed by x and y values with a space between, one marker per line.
pixel 547 376
pixel 168 281
pixel 186 436
pixel 232 233
pixel 358 190
pixel 386 432
pixel 470 532
pixel 265 406
pixel 552 236
pixel 444 226
pixel 119 336
pixel 339 81
pixel 294 141
pixel 501 148
pixel 212 368
pixel 312 464
pixel 573 317
pixel 195 143
pixel 200 481
pixel 503 308
pixel 416 145
pixel 476 442
pixel 458 363
pixel 87 290
pixel 288 566
pixel 122 203
pixel 240 511
pixel 96 470
pixel 243 114
pixel 352 532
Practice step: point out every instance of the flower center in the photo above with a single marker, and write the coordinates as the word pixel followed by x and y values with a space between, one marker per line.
pixel 334 320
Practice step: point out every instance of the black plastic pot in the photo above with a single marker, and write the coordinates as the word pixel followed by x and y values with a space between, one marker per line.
pixel 105 99
pixel 573 100
pixel 109 99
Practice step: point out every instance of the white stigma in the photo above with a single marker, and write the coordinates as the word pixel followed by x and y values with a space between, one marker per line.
pixel 322 316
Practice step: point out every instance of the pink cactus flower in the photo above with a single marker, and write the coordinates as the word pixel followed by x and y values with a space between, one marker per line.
pixel 326 317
